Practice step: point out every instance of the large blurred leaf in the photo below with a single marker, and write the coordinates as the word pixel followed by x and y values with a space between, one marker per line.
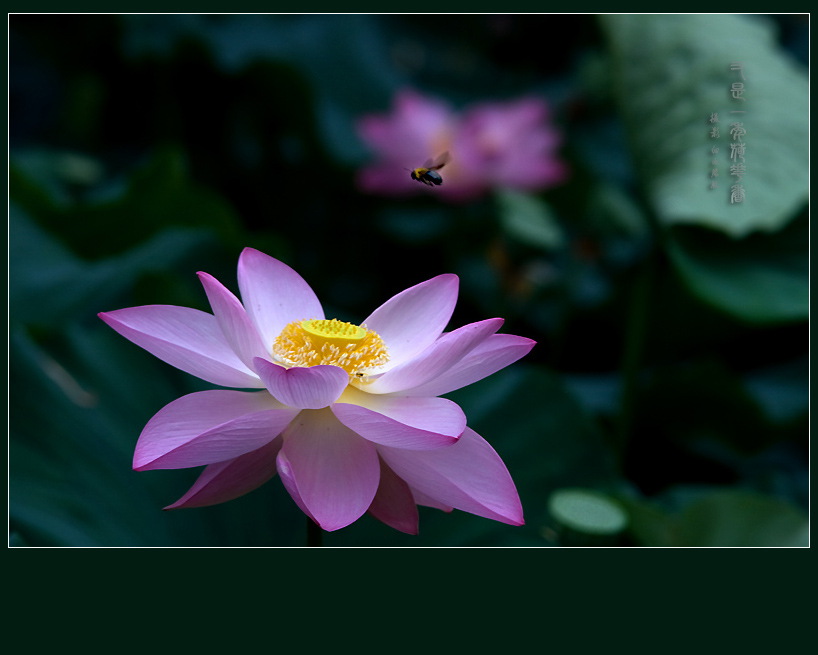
pixel 761 278
pixel 725 518
pixel 48 283
pixel 157 195
pixel 70 482
pixel 670 73
pixel 739 518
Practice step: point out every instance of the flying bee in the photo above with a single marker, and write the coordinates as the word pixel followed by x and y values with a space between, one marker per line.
pixel 428 173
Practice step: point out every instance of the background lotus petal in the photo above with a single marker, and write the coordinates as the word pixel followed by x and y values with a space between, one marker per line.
pixel 510 145
pixel 496 145
pixel 405 133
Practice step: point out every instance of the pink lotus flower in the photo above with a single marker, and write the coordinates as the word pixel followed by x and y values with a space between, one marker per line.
pixel 349 416
pixel 492 145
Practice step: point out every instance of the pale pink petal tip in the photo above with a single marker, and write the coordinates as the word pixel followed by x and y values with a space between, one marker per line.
pixel 274 294
pixel 413 319
pixel 490 356
pixel 436 360
pixel 468 475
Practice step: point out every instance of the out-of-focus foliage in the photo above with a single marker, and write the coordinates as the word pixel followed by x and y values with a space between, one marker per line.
pixel 669 77
pixel 670 379
pixel 762 278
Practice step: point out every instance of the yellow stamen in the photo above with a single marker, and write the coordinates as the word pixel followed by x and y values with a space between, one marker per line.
pixel 316 341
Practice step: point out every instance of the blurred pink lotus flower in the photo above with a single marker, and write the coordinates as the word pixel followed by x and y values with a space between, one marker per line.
pixel 350 416
pixel 492 145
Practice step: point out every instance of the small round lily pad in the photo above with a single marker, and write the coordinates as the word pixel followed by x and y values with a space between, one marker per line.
pixel 587 511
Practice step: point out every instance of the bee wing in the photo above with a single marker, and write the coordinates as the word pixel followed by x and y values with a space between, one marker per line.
pixel 438 162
